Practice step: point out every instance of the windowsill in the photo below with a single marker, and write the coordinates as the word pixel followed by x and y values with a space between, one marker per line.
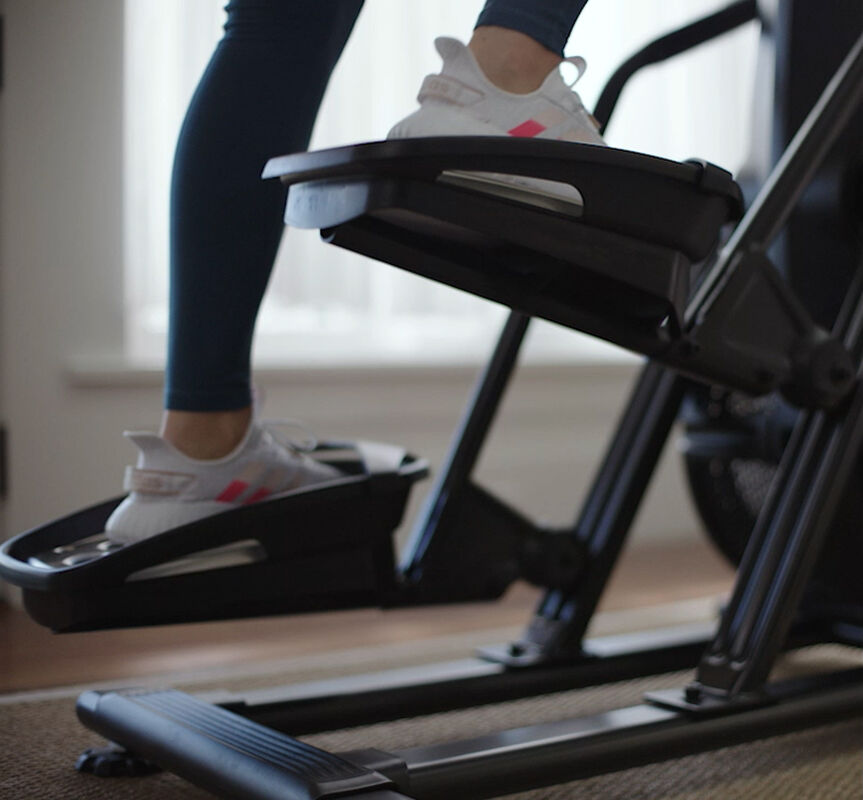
pixel 107 372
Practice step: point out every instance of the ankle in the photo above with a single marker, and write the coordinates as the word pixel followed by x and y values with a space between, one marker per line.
pixel 205 435
pixel 511 60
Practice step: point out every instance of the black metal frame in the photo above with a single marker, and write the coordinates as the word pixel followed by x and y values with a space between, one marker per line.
pixel 730 700
pixel 741 267
pixel 236 756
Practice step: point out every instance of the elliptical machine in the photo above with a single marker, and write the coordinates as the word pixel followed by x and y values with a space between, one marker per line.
pixel 665 282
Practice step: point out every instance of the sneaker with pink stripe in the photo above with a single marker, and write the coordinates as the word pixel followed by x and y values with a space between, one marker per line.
pixel 461 101
pixel 168 489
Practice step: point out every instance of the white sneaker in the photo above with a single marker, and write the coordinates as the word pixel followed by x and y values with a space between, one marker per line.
pixel 169 489
pixel 461 101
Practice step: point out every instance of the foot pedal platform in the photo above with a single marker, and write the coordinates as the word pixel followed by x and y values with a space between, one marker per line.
pixel 617 266
pixel 319 548
pixel 225 753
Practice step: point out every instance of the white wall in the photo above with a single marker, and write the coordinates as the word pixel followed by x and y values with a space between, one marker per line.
pixel 60 273
pixel 61 240
pixel 3 417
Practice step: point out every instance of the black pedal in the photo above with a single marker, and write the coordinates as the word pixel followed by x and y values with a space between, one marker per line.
pixel 323 547
pixel 616 267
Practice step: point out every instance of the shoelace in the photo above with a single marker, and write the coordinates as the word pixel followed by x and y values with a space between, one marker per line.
pixel 580 65
pixel 275 427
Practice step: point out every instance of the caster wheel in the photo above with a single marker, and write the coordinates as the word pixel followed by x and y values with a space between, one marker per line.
pixel 114 762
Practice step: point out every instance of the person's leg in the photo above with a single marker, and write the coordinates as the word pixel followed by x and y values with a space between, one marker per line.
pixel 258 98
pixel 517 43
pixel 512 60
pixel 547 22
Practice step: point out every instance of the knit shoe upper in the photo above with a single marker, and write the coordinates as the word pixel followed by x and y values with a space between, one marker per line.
pixel 169 489
pixel 461 101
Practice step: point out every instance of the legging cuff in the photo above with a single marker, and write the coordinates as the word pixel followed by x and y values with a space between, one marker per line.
pixel 550 31
pixel 229 399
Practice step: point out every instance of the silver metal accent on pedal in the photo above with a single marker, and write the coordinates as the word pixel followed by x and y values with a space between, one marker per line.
pixel 236 554
pixel 491 183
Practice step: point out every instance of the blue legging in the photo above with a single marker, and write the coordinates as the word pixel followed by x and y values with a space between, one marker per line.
pixel 259 98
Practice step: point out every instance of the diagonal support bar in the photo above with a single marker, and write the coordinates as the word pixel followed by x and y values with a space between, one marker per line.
pixel 817 469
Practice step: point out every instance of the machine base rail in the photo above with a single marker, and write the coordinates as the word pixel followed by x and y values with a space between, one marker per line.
pixel 470 682
pixel 248 758
pixel 228 754
pixel 467 683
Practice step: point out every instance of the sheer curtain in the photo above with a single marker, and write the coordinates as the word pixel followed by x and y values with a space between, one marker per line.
pixel 327 306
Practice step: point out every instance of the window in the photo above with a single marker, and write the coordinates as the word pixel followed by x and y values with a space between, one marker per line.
pixel 327 306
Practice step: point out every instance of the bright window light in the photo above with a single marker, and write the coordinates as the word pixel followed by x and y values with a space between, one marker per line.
pixel 326 306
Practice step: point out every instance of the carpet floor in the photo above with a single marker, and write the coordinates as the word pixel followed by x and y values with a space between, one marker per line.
pixel 40 736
